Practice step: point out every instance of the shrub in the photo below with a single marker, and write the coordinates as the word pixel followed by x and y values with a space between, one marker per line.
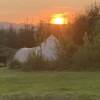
pixel 37 62
pixel 32 62
pixel 65 50
pixel 14 64
pixel 88 56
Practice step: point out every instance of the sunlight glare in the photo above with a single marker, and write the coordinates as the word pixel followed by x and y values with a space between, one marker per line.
pixel 58 19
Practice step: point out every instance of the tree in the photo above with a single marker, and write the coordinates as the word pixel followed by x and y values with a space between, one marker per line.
pixel 43 31
pixel 3 38
pixel 86 23
pixel 88 55
pixel 65 50
pixel 79 28
pixel 27 36
pixel 93 16
pixel 12 37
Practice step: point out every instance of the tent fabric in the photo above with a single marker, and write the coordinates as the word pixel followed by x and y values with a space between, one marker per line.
pixel 47 49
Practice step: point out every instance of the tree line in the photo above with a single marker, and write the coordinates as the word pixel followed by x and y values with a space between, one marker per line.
pixel 30 35
pixel 26 36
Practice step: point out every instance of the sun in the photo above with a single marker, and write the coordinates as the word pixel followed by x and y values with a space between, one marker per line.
pixel 58 19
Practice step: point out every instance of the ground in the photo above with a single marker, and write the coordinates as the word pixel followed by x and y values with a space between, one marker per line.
pixel 62 85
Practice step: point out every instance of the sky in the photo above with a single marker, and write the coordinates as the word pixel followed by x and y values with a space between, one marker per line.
pixel 32 11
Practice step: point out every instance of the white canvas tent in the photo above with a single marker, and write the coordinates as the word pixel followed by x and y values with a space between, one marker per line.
pixel 47 48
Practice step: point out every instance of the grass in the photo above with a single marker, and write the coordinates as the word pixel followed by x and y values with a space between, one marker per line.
pixel 18 85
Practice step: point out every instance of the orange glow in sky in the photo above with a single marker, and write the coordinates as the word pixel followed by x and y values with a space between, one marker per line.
pixel 37 10
pixel 58 19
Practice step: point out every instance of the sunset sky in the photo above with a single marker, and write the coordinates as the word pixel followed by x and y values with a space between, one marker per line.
pixel 20 11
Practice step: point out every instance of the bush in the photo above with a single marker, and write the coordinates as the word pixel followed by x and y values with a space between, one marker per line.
pixel 15 64
pixel 65 51
pixel 32 63
pixel 88 56
pixel 37 62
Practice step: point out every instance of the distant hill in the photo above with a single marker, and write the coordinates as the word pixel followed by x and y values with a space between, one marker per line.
pixel 6 25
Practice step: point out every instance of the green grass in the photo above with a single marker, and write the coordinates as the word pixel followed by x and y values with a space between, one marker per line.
pixel 18 85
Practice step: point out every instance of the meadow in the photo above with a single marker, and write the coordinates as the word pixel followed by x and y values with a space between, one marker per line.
pixel 49 85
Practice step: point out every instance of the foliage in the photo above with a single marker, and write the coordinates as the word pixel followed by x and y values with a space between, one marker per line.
pixel 3 37
pixel 38 62
pixel 78 29
pixel 86 22
pixel 88 56
pixel 26 36
pixel 42 32
pixel 93 16
pixel 34 62
pixel 6 51
pixel 14 64
pixel 11 37
pixel 65 50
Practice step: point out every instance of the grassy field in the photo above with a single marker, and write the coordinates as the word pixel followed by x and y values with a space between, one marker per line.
pixel 18 85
